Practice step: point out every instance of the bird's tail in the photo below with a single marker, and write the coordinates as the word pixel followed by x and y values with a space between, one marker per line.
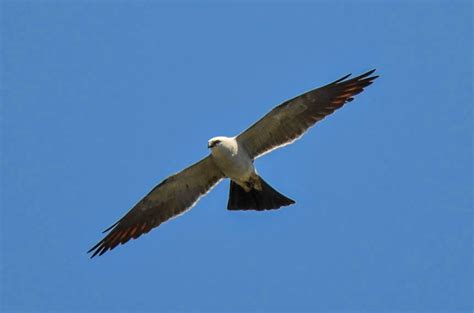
pixel 265 199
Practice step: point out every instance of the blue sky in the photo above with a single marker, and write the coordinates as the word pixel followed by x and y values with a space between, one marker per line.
pixel 101 101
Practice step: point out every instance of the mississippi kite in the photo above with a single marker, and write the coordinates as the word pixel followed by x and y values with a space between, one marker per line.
pixel 233 157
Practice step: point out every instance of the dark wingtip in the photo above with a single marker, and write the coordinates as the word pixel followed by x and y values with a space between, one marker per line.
pixel 369 72
pixel 93 254
pixel 94 247
pixel 343 79
pixel 103 250
pixel 109 228
pixel 99 246
pixel 340 79
pixel 363 76
pixel 99 251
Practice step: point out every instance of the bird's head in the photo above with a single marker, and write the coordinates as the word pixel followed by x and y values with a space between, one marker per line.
pixel 214 142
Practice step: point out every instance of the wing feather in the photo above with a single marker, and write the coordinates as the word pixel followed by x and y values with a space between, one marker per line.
pixel 291 119
pixel 172 197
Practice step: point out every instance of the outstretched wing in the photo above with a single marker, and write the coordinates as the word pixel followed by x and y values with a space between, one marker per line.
pixel 172 197
pixel 290 120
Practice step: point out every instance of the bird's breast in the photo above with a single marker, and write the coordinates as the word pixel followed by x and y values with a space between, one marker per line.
pixel 233 162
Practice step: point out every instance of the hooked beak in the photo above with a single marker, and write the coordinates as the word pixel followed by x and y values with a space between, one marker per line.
pixel 209 145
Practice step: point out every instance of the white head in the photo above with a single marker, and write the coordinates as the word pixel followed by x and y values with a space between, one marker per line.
pixel 214 142
pixel 222 141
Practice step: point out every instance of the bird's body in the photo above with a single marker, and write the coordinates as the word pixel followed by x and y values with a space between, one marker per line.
pixel 233 158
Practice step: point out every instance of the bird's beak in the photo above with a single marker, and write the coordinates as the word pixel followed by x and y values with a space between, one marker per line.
pixel 209 145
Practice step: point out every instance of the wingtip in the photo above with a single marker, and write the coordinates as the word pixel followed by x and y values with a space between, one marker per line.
pixel 370 72
pixel 99 251
pixel 95 249
pixel 93 254
pixel 366 75
pixel 342 78
pixel 110 227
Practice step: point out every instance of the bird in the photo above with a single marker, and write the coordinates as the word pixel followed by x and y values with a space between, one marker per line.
pixel 233 158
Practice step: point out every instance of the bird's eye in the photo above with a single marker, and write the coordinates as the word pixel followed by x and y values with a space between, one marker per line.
pixel 212 144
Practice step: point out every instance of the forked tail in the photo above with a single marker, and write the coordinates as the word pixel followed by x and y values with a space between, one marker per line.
pixel 265 199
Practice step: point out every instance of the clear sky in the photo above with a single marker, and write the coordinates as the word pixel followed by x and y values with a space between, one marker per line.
pixel 101 101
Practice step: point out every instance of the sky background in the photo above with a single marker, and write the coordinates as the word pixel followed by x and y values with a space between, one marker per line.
pixel 100 101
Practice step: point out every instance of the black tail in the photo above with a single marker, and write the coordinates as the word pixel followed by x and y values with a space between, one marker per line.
pixel 266 199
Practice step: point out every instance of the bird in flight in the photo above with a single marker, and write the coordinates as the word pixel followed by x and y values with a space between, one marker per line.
pixel 233 158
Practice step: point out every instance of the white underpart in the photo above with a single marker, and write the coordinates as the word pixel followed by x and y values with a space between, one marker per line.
pixel 232 159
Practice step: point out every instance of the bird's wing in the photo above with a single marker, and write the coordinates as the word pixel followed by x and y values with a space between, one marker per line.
pixel 172 197
pixel 290 120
